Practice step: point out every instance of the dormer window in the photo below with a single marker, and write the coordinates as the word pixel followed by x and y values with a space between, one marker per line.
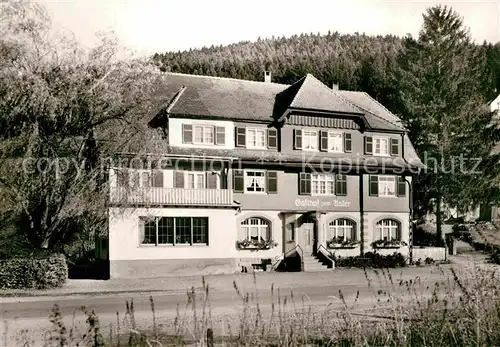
pixel 381 146
pixel 309 140
pixel 256 138
pixel 202 134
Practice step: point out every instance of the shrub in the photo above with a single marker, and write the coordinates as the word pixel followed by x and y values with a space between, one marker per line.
pixel 35 273
pixel 372 260
pixel 424 238
pixel 495 257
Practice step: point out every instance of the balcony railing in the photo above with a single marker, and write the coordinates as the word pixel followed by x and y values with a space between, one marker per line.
pixel 171 196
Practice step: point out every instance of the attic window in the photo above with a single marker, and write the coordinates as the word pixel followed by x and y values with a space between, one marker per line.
pixel 203 134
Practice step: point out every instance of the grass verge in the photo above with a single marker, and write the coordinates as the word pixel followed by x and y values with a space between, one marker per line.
pixel 455 311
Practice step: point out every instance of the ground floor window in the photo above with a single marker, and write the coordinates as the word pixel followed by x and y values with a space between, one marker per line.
pixel 342 228
pixel 174 231
pixel 388 229
pixel 255 229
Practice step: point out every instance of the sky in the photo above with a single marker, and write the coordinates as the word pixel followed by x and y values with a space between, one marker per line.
pixel 150 26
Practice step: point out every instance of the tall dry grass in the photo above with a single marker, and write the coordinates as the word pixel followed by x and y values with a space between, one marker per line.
pixel 456 311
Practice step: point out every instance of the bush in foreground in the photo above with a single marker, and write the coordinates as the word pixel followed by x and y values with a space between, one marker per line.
pixel 372 260
pixel 36 273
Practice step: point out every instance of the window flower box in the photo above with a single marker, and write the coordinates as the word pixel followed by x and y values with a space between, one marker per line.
pixel 256 244
pixel 392 243
pixel 340 242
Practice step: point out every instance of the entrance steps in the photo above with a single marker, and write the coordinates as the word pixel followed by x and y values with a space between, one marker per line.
pixel 313 264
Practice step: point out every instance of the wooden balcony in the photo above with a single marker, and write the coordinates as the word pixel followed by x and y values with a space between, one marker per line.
pixel 171 196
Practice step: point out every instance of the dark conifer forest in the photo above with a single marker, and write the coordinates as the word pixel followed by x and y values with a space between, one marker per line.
pixel 355 62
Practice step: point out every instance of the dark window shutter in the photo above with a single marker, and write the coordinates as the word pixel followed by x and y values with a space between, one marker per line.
pixel 368 145
pixel 178 179
pixel 272 138
pixel 373 186
pixel 347 142
pixel 122 178
pixel 212 180
pixel 394 147
pixel 238 181
pixel 401 186
pixel 272 182
pixel 240 137
pixel 158 179
pixel 323 141
pixel 223 179
pixel 341 185
pixel 136 179
pixel 187 133
pixel 305 183
pixel 220 136
pixel 297 139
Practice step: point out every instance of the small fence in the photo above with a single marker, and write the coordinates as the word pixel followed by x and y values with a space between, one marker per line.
pixel 436 253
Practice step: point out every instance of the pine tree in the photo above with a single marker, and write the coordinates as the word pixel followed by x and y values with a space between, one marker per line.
pixel 440 99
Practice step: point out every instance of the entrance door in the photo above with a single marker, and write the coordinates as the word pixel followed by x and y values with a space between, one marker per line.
pixel 307 237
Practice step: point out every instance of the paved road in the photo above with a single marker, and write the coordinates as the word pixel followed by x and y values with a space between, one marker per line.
pixel 320 290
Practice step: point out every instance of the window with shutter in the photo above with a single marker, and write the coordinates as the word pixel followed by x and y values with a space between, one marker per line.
pixel 368 145
pixel 255 181
pixel 387 186
pixel 401 186
pixel 394 147
pixel 335 142
pixel 322 184
pixel 238 181
pixel 256 138
pixel 272 138
pixel 187 133
pixel 347 142
pixel 220 136
pixel 297 139
pixel 195 180
pixel 305 183
pixel 381 146
pixel 373 186
pixel 272 182
pixel 310 140
pixel 341 185
pixel 203 134
pixel 240 137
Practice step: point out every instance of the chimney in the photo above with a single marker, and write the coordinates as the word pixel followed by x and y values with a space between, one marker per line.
pixel 335 86
pixel 267 76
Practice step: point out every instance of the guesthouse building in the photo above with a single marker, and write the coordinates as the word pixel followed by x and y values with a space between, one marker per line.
pixel 247 173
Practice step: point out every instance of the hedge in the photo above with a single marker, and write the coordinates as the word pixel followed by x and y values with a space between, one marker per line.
pixel 372 260
pixel 36 273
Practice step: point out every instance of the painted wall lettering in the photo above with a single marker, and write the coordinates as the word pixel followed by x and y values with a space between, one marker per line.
pixel 322 203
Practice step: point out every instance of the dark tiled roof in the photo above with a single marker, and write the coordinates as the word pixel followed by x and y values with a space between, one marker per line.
pixel 222 97
pixel 377 115
pixel 314 95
